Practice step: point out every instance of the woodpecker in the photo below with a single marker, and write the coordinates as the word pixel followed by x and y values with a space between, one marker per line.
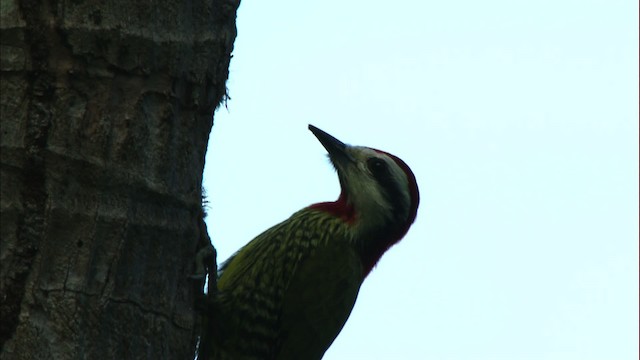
pixel 287 294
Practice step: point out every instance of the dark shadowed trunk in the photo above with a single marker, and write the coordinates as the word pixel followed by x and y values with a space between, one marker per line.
pixel 106 110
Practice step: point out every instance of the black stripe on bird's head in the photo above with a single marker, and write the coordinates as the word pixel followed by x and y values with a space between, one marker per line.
pixel 379 192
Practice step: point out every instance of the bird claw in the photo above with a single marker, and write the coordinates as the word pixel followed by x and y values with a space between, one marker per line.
pixel 202 256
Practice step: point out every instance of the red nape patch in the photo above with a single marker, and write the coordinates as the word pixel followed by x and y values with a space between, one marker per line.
pixel 339 208
pixel 377 247
pixel 413 189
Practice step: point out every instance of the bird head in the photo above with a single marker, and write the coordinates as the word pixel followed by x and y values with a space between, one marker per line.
pixel 379 195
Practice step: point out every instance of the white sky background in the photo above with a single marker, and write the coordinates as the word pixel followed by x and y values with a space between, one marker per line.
pixel 520 121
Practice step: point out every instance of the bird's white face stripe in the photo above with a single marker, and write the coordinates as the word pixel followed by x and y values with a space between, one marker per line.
pixel 379 198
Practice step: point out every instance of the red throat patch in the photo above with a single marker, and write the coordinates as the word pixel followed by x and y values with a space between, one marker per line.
pixel 339 208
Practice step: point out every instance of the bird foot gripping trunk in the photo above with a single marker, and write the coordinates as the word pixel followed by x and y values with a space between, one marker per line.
pixel 205 275
pixel 288 292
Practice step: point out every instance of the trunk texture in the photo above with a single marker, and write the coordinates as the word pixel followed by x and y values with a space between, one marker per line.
pixel 106 108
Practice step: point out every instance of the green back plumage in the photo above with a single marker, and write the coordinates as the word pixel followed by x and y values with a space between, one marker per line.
pixel 287 294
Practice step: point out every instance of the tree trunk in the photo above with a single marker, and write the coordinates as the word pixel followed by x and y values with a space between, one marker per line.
pixel 106 110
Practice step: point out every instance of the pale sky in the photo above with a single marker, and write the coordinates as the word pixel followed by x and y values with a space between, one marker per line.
pixel 520 121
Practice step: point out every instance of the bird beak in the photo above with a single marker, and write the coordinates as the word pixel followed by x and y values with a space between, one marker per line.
pixel 337 149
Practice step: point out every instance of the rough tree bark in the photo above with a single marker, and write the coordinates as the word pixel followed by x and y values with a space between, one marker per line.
pixel 106 110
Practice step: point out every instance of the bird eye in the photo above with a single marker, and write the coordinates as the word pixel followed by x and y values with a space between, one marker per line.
pixel 377 166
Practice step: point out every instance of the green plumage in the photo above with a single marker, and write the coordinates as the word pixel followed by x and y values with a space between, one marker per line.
pixel 287 294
